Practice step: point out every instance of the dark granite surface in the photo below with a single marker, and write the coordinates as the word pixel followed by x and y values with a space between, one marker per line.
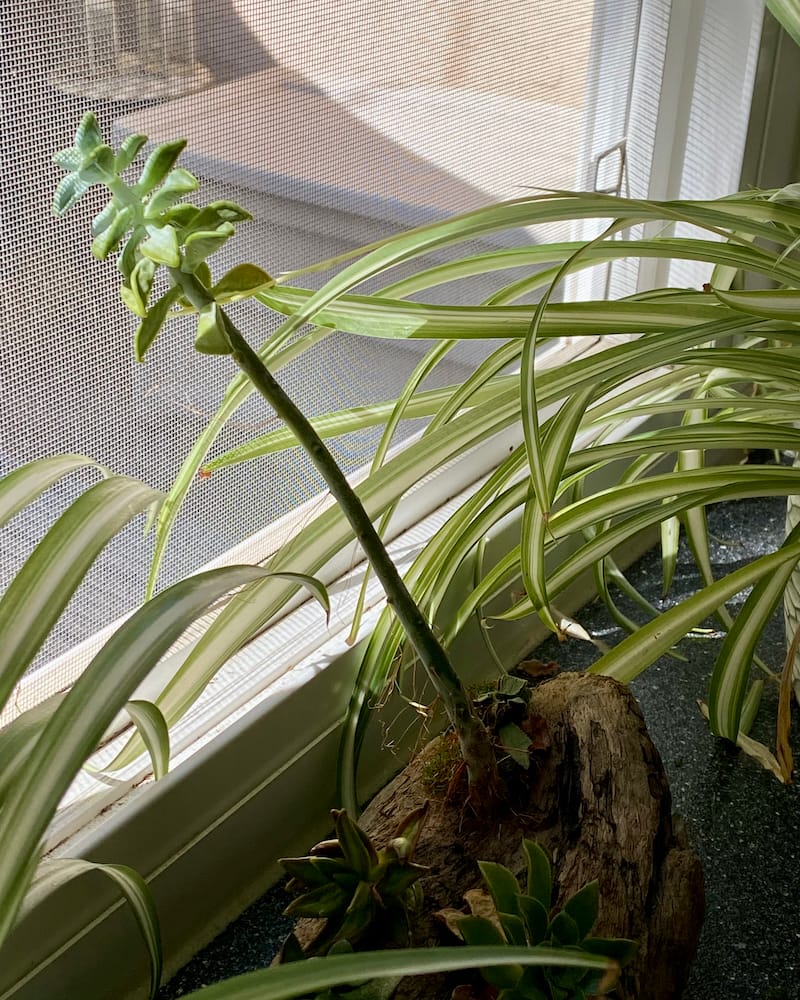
pixel 744 824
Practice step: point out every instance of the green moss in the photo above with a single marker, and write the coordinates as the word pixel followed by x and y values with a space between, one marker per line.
pixel 442 763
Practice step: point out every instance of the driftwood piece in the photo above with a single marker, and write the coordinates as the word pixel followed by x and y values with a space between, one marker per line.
pixel 597 799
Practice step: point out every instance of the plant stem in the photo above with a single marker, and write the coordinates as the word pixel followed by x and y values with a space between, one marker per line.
pixel 476 747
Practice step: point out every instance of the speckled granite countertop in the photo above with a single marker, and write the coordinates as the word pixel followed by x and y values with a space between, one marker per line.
pixel 743 823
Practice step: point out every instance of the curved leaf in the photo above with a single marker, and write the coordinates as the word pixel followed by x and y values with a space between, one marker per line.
pixel 283 982
pixel 41 590
pixel 81 719
pixel 53 873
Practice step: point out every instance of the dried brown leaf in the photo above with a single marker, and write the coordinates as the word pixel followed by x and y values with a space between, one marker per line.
pixel 539 668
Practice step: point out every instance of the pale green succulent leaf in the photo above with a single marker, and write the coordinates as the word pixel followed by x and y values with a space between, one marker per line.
pixel 161 245
pixel 202 244
pixel 109 239
pixel 69 192
pixel 128 151
pixel 211 337
pixel 88 135
pixel 150 327
pixel 158 165
pixel 179 182
pixel 241 282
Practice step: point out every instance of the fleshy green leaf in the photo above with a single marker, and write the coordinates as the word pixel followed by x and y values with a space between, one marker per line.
pixel 200 245
pixel 104 218
pixel 88 135
pixel 210 337
pixel 536 918
pixel 216 212
pixel 513 928
pixel 127 260
pixel 108 240
pixel 149 328
pixel 240 282
pixel 137 295
pixel 68 193
pixel 161 245
pixel 321 901
pixel 564 929
pixel 501 884
pixel 540 876
pixel 621 950
pixel 356 845
pixel 583 907
pixel 128 151
pixel 478 932
pixel 178 183
pixel 158 165
pixel 314 870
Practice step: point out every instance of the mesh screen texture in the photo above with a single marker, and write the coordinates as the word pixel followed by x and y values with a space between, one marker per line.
pixel 334 123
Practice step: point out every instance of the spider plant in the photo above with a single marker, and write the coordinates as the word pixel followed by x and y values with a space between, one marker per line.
pixel 720 364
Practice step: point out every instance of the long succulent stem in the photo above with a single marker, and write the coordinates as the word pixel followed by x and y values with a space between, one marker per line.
pixel 476 747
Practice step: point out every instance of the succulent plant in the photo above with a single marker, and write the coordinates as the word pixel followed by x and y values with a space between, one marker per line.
pixel 508 916
pixel 356 888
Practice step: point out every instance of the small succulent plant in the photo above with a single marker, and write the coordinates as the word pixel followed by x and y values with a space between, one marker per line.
pixel 358 889
pixel 502 708
pixel 508 916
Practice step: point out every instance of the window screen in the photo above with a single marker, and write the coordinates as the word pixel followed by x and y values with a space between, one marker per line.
pixel 334 122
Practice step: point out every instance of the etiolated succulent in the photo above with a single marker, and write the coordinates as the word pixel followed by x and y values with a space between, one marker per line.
pixel 355 887
pixel 507 916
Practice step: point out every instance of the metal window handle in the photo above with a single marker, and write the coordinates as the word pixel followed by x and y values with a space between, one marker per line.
pixel 620 148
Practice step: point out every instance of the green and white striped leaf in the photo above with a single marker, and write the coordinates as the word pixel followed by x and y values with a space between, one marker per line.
pixel 53 873
pixel 636 652
pixel 187 685
pixel 25 484
pixel 153 731
pixel 728 686
pixel 787 12
pixel 75 728
pixel 41 590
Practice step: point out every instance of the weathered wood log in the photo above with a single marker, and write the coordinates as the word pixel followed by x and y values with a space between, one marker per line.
pixel 597 798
